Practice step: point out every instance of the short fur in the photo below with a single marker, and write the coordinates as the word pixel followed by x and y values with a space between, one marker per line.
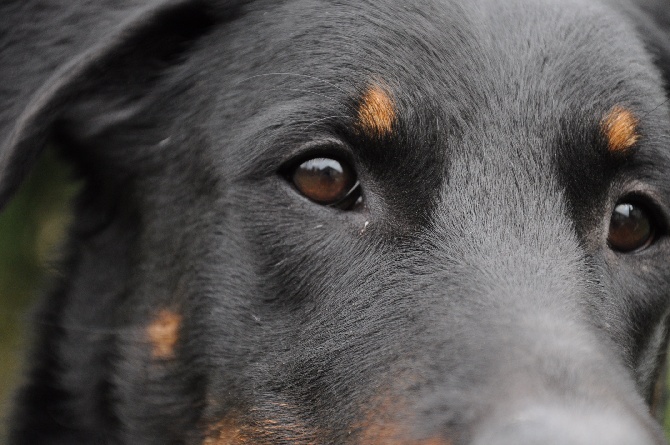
pixel 471 298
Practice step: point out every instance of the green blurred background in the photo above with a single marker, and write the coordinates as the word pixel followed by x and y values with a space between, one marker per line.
pixel 32 227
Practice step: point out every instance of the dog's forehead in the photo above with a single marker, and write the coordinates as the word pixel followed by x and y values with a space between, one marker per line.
pixel 424 93
pixel 437 70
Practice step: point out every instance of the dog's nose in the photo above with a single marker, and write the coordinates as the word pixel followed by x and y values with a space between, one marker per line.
pixel 541 425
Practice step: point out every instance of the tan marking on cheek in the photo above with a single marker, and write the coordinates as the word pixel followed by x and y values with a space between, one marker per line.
pixel 384 433
pixel 273 423
pixel 376 112
pixel 382 425
pixel 226 432
pixel 620 128
pixel 163 333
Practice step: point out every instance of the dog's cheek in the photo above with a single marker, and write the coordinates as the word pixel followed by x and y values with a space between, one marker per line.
pixel 635 311
pixel 650 364
pixel 264 424
pixel 308 304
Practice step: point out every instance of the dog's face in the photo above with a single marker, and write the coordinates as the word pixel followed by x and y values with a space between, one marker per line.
pixel 358 222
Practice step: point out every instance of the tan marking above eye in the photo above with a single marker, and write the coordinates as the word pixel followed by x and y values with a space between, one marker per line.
pixel 376 112
pixel 620 128
pixel 163 333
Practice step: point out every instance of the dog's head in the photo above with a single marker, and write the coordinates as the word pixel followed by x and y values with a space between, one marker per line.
pixel 305 222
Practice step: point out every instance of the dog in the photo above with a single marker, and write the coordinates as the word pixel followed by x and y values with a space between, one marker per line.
pixel 438 222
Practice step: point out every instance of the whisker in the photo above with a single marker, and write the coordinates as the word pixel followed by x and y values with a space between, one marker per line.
pixel 656 107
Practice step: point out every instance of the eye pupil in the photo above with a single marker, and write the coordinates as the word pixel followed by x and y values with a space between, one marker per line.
pixel 325 181
pixel 630 228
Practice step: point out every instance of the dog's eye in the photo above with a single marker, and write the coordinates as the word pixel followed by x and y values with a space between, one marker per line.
pixel 328 182
pixel 631 228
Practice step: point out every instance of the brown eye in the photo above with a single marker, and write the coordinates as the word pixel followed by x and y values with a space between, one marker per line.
pixel 327 181
pixel 631 228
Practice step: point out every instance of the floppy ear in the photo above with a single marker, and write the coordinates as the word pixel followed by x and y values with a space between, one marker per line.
pixel 90 64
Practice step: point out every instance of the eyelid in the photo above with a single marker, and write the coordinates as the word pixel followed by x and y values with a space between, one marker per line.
pixel 650 201
pixel 319 148
pixel 642 189
pixel 643 193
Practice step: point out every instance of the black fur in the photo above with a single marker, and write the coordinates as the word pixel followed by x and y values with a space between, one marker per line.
pixel 471 299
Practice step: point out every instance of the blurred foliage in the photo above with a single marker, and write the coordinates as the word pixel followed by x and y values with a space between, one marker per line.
pixel 31 228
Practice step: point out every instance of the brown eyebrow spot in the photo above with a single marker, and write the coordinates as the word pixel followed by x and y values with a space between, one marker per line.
pixel 163 333
pixel 620 128
pixel 376 112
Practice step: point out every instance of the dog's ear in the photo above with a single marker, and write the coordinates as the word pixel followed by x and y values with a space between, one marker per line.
pixel 89 64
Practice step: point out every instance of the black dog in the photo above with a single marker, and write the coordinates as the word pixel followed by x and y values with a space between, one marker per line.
pixel 348 222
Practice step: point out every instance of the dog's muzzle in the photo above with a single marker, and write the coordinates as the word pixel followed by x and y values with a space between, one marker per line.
pixel 563 425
